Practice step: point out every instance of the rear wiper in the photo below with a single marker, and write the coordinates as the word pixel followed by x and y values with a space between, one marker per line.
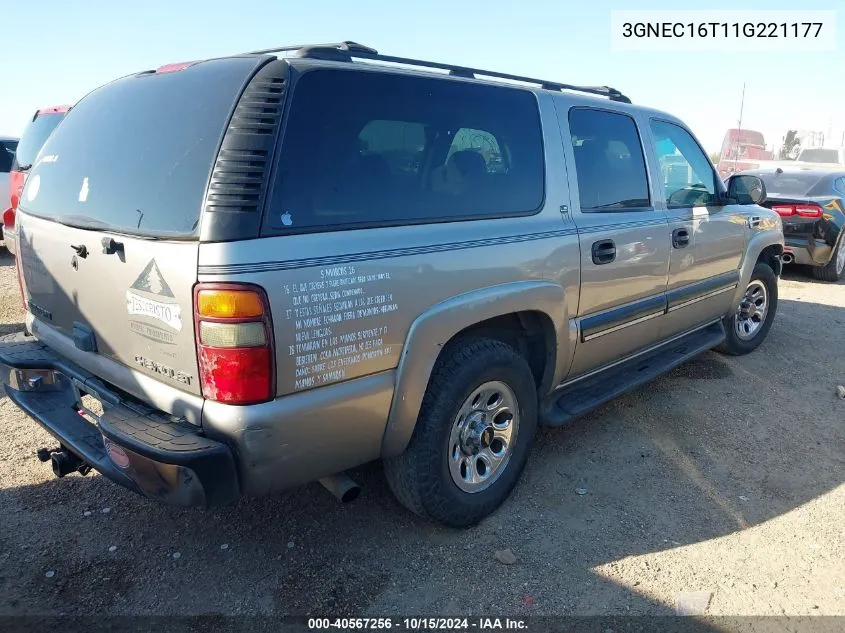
pixel 82 222
pixel 90 224
pixel 25 167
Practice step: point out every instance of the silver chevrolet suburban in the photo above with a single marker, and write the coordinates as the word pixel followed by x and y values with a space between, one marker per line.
pixel 248 273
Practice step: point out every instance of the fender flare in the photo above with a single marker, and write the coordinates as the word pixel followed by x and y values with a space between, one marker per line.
pixel 435 327
pixel 756 245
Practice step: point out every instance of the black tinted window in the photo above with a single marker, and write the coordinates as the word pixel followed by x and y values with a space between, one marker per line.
pixel 7 151
pixel 34 136
pixel 789 183
pixel 364 148
pixel 608 161
pixel 135 155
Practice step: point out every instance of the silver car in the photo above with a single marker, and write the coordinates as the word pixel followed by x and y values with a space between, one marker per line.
pixel 273 267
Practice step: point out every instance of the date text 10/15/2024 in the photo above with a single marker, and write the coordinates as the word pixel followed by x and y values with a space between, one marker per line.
pixel 418 624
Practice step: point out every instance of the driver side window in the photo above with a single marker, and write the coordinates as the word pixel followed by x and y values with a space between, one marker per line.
pixel 687 175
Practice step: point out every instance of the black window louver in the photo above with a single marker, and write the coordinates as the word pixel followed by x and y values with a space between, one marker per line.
pixel 238 182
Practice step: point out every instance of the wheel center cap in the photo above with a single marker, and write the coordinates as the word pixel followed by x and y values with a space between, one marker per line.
pixel 477 435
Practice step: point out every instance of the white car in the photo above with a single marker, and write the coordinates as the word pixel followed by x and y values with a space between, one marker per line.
pixel 829 156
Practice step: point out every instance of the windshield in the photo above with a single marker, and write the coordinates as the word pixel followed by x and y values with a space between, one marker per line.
pixel 33 138
pixel 135 155
pixel 790 185
pixel 818 155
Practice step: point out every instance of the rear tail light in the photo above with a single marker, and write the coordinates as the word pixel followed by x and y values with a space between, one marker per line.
pixel 9 219
pixel 234 343
pixel 808 210
pixel 16 182
pixel 802 210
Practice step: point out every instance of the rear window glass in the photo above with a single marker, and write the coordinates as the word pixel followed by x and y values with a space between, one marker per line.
pixel 818 155
pixel 7 151
pixel 34 136
pixel 135 155
pixel 371 148
pixel 789 184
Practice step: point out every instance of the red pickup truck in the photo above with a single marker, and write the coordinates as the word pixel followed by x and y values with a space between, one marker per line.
pixel 741 149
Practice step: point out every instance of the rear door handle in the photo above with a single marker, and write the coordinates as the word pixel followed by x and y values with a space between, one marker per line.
pixel 680 238
pixel 604 251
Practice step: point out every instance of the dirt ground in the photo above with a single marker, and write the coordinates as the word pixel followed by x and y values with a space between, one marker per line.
pixel 724 477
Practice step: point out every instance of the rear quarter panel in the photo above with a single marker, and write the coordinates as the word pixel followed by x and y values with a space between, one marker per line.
pixel 348 313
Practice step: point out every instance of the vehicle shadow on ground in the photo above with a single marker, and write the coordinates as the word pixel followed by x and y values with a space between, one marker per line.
pixel 798 272
pixel 715 447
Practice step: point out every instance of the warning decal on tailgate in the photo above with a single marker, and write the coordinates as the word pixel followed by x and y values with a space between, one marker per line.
pixel 148 297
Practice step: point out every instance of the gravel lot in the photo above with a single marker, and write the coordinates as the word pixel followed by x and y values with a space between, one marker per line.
pixel 724 477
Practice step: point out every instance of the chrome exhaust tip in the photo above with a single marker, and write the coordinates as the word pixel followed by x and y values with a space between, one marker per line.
pixel 787 258
pixel 342 486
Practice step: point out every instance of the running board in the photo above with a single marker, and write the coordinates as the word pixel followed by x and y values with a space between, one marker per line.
pixel 573 401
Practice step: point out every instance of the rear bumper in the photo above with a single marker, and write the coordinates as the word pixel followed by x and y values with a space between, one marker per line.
pixel 154 454
pixel 8 236
pixel 808 251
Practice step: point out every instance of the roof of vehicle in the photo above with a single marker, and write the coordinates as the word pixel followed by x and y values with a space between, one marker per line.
pixel 348 51
pixel 341 54
pixel 8 138
pixel 805 168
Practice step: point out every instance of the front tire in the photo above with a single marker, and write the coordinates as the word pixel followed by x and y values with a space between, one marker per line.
pixel 834 269
pixel 472 435
pixel 747 328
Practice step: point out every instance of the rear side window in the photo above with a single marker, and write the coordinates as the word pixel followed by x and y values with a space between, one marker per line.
pixel 7 152
pixel 609 161
pixel 377 149
pixel 34 136
pixel 135 155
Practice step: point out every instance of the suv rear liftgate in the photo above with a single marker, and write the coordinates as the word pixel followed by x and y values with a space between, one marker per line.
pixel 126 207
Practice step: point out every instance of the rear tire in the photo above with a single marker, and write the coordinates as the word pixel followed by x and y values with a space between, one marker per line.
pixel 744 332
pixel 834 269
pixel 475 386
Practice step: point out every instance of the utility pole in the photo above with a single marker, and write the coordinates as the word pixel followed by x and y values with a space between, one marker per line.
pixel 739 126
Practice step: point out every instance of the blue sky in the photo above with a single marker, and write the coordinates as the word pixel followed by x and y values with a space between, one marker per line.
pixel 69 48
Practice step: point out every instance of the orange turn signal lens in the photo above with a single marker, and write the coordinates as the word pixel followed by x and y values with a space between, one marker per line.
pixel 229 304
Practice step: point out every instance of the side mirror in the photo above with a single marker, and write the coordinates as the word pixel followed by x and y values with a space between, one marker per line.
pixel 746 189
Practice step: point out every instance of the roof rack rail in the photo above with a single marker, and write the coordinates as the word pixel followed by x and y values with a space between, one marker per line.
pixel 347 51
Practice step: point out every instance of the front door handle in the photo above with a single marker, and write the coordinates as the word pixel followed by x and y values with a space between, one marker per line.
pixel 604 251
pixel 680 238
